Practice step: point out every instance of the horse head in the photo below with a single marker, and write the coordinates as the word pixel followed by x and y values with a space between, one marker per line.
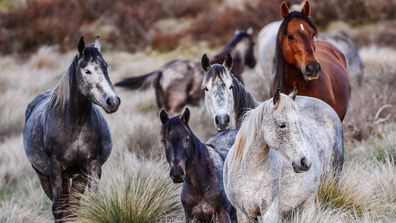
pixel 282 131
pixel 296 37
pixel 92 76
pixel 177 139
pixel 218 88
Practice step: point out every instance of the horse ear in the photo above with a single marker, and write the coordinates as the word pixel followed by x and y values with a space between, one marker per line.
pixel 228 62
pixel 97 44
pixel 237 32
pixel 205 62
pixel 81 45
pixel 306 9
pixel 284 10
pixel 186 116
pixel 250 31
pixel 293 94
pixel 164 116
pixel 277 97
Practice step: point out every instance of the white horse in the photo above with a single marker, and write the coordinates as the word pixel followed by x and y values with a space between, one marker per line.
pixel 281 150
pixel 266 42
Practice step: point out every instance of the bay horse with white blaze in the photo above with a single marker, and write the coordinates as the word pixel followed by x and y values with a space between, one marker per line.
pixel 199 167
pixel 314 68
pixel 66 138
pixel 178 82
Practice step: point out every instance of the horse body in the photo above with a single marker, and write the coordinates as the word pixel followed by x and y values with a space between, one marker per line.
pixel 66 138
pixel 260 176
pixel 314 68
pixel 199 167
pixel 178 82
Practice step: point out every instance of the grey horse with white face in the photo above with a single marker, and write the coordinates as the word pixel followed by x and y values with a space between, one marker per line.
pixel 226 98
pixel 281 150
pixel 66 138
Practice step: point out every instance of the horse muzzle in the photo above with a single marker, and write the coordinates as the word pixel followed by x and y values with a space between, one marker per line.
pixel 177 175
pixel 301 166
pixel 312 71
pixel 222 122
pixel 112 104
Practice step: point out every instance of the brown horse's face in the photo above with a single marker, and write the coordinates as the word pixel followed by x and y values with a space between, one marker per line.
pixel 299 48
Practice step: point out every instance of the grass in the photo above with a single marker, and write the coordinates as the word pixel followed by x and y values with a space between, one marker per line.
pixel 140 192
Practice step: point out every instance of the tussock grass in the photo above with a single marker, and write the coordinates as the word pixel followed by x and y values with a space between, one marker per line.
pixel 140 192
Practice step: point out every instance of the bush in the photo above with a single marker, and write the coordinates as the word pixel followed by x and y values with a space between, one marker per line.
pixel 140 192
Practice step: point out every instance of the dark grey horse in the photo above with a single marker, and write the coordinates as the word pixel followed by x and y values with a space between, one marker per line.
pixel 66 138
pixel 226 98
pixel 199 167
pixel 178 82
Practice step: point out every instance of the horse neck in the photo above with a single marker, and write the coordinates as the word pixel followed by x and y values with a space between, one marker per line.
pixel 197 169
pixel 243 100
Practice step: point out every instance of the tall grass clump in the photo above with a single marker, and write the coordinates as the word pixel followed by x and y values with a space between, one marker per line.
pixel 138 192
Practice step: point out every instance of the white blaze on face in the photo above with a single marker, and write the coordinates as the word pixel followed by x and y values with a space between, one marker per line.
pixel 96 85
pixel 302 27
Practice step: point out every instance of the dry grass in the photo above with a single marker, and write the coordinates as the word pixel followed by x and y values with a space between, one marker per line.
pixel 365 191
pixel 138 191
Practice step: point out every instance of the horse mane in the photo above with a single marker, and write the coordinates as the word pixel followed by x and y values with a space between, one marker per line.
pixel 251 128
pixel 219 58
pixel 61 93
pixel 243 100
pixel 279 61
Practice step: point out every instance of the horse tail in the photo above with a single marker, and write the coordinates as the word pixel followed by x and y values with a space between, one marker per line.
pixel 141 82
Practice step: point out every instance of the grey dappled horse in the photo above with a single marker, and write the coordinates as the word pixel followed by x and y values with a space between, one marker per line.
pixel 66 138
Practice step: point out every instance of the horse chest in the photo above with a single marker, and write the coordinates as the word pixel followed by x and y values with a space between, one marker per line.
pixel 202 206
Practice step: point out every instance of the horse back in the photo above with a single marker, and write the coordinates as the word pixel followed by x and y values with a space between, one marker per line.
pixel 36 101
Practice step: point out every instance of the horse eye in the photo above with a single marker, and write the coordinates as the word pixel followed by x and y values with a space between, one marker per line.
pixel 88 72
pixel 231 86
pixel 186 140
pixel 290 37
pixel 282 126
pixel 205 89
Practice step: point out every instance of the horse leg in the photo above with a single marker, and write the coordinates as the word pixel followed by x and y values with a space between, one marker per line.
pixel 309 202
pixel 45 183
pixel 55 175
pixel 78 186
pixel 94 173
pixel 224 216
pixel 242 217
pixel 272 213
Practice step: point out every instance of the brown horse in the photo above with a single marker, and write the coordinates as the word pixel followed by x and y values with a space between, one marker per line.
pixel 178 82
pixel 314 68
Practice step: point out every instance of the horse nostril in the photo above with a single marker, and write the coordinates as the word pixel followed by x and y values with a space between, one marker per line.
pixel 109 102
pixel 217 121
pixel 227 119
pixel 309 69
pixel 318 67
pixel 305 165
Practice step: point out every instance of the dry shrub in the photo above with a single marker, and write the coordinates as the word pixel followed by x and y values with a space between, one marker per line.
pixel 124 25
pixel 355 12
